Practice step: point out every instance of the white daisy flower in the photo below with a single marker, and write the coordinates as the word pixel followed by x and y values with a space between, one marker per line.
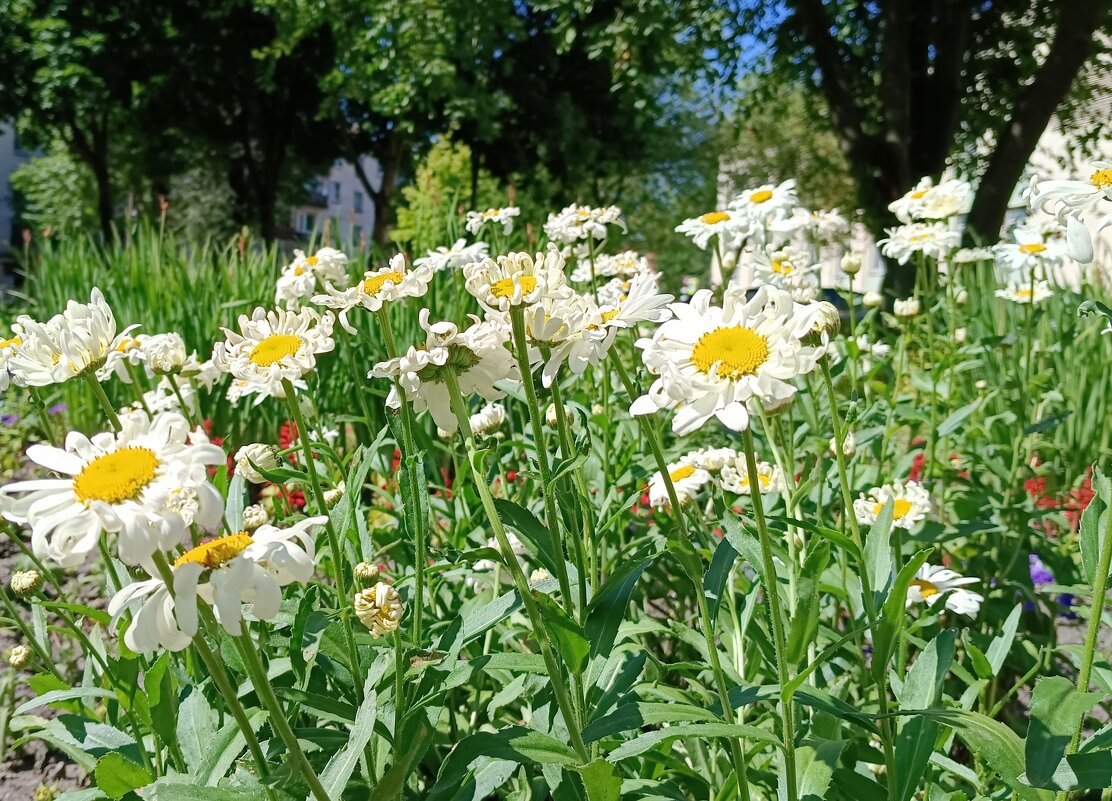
pixel 911 503
pixel 906 307
pixel 274 346
pixel 768 202
pixel 626 263
pixel 573 223
pixel 714 362
pixel 1032 251
pixel 379 609
pixel 377 287
pixel 293 286
pixel 302 277
pixel 1026 293
pixel 459 254
pixel 569 328
pixel 711 459
pixel 734 477
pixel 783 266
pixel 123 484
pixel 926 201
pixel 825 226
pixel 932 584
pixel 503 216
pixel 7 348
pixel 731 228
pixel 478 356
pixel 972 255
pixel 933 240
pixel 641 302
pixel 223 573
pixel 1068 200
pixel 75 342
pixel 516 279
pixel 686 478
pixel 256 453
pixel 488 419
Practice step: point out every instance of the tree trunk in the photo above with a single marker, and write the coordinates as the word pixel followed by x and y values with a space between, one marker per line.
pixel 104 196
pixel 1016 140
pixel 391 164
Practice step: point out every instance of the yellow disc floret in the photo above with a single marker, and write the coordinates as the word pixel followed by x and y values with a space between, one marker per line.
pixel 737 352
pixel 217 552
pixel 274 348
pixel 116 477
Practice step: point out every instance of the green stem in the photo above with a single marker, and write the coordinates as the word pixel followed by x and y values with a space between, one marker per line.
pixel 44 418
pixel 536 421
pixel 779 641
pixel 102 399
pixel 707 623
pixel 578 543
pixel 555 676
pixel 187 413
pixel 338 560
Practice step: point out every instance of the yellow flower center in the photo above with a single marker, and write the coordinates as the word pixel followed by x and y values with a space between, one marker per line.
pixel 1024 294
pixel 116 477
pixel 1032 248
pixel 782 267
pixel 505 287
pixel 919 194
pixel 926 588
pixel 491 213
pixel 762 196
pixel 607 316
pixel 763 481
pixel 127 344
pixel 681 473
pixel 374 284
pixel 217 552
pixel 712 217
pixel 899 509
pixel 298 271
pixel 274 348
pixel 14 342
pixel 311 261
pixel 737 352
pixel 1102 179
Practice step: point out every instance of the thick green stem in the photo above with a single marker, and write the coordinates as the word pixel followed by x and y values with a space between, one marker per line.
pixel 707 623
pixel 102 399
pixel 536 421
pixel 578 543
pixel 339 562
pixel 555 675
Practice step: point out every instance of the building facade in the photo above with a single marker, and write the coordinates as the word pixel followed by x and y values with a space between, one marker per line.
pixel 340 201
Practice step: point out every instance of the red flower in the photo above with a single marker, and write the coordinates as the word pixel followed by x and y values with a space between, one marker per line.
pixel 511 475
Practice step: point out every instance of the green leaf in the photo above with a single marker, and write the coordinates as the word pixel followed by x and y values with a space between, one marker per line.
pixel 55 696
pixel 745 543
pixel 196 728
pixel 878 549
pixel 816 768
pixel 608 607
pixel 96 615
pixel 530 531
pixel 805 622
pixel 643 742
pixel 601 781
pixel 339 769
pixel 956 418
pixel 1093 524
pixel 999 747
pixel 1002 642
pixel 117 775
pixel 1056 711
pixel 567 636
pixel 159 686
pixel 894 613
pixel 639 714
pixel 717 574
pixel 1088 771
pixel 178 788
pixel 922 689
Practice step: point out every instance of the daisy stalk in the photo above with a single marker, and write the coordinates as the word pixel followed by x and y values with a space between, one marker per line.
pixel 555 675
pixel 866 585
pixel 338 556
pixel 536 421
pixel 707 623
pixel 102 399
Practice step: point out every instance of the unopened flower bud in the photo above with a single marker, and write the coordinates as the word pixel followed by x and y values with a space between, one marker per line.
pixel 257 453
pixel 729 261
pixel 906 307
pixel 379 609
pixel 959 336
pixel 539 575
pixel 961 297
pixel 873 300
pixel 26 582
pixel 254 516
pixel 20 656
pixel 550 415
pixel 332 496
pixel 851 263
pixel 773 408
pixel 366 572
pixel 827 319
pixel 981 384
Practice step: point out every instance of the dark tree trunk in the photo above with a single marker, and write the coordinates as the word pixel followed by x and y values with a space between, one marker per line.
pixel 392 155
pixel 104 196
pixel 1017 138
pixel 91 147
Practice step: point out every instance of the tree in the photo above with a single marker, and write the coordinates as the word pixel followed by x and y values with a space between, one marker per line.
pixel 69 73
pixel 913 85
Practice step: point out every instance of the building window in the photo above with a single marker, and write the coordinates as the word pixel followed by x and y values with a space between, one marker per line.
pixel 306 221
pixel 335 191
pixel 358 202
pixel 357 235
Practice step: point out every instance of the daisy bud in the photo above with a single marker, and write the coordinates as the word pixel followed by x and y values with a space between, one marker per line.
pixel 729 261
pixel 26 582
pixel 366 572
pixel 906 307
pixel 851 263
pixel 20 656
pixel 379 609
pixel 961 297
pixel 982 384
pixel 46 792
pixel 827 319
pixel 849 445
pixel 774 408
pixel 254 516
pixel 257 453
pixel 550 415
pixel 332 496
pixel 959 336
pixel 873 300
pixel 539 575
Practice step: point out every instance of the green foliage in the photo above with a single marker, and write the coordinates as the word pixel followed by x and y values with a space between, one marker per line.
pixel 57 192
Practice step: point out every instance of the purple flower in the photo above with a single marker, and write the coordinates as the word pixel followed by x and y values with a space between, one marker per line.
pixel 9 419
pixel 1040 573
pixel 57 408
